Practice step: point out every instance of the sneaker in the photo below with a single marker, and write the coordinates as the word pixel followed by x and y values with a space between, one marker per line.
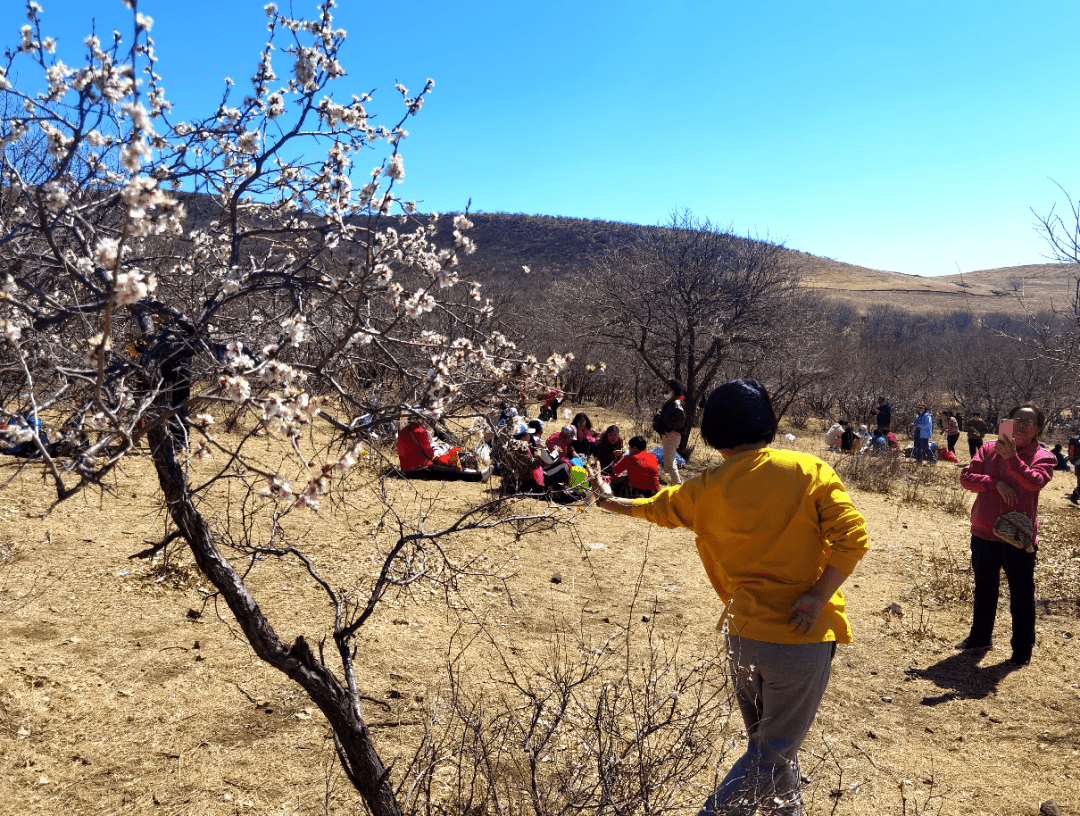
pixel 965 646
pixel 1018 660
pixel 1074 498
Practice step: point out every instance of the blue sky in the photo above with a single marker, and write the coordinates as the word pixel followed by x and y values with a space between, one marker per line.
pixel 913 137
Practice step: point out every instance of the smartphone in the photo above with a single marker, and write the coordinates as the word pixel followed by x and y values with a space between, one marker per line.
pixel 1005 428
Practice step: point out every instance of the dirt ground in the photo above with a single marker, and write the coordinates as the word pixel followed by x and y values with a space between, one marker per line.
pixel 122 691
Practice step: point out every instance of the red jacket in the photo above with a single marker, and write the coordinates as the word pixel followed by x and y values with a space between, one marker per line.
pixel 642 470
pixel 560 443
pixel 414 449
pixel 1027 473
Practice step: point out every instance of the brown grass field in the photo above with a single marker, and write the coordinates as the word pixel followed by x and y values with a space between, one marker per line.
pixel 1014 290
pixel 116 697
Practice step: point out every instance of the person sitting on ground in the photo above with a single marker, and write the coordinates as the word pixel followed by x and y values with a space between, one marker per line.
pixel 585 444
pixel 833 436
pixel 519 464
pixel 555 470
pixel 563 442
pixel 893 442
pixel 1062 462
pixel 637 475
pixel 1074 457
pixel 864 438
pixel 847 439
pixel 536 432
pixel 610 448
pixel 878 443
pixel 418 459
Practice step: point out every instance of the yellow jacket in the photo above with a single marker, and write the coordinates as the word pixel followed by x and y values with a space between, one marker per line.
pixel 767 523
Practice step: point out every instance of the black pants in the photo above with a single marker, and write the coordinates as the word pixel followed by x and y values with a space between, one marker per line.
pixel 988 559
pixel 951 439
pixel 973 445
pixel 442 473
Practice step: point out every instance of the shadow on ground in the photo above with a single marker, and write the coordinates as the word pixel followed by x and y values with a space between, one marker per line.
pixel 963 677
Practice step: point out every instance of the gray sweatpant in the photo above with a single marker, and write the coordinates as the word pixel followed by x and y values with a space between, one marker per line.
pixel 778 688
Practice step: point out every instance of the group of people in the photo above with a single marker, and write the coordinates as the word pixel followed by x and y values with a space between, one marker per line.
pixel 842 436
pixel 527 463
pixel 778 535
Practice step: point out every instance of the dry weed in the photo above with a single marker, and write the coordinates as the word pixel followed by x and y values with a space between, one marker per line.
pixel 631 722
pixel 874 474
pixel 947 577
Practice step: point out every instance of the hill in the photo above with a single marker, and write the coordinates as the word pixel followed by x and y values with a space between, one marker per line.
pixel 552 246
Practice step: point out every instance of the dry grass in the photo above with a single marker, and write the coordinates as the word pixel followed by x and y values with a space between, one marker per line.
pixel 113 697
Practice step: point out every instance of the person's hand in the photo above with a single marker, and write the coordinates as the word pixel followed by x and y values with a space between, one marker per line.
pixel 1006 491
pixel 600 488
pixel 1005 448
pixel 805 613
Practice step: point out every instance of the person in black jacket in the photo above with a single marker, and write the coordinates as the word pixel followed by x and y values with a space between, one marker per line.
pixel 669 423
pixel 882 414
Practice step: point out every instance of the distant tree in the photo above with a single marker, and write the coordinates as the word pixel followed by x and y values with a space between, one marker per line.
pixel 691 301
pixel 1062 234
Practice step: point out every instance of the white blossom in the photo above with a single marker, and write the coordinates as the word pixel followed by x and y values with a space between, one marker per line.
pixel 106 252
pixel 11 331
pixel 396 168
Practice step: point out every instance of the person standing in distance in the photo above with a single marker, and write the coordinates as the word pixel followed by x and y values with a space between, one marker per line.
pixel 777 535
pixel 976 430
pixel 1006 478
pixel 882 414
pixel 923 430
pixel 670 424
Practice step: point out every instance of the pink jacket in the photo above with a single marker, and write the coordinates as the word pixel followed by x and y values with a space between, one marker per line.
pixel 1027 473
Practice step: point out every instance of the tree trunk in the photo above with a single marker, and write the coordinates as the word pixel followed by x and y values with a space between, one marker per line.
pixel 342 711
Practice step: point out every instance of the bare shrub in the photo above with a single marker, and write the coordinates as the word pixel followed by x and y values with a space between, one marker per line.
pixel 874 474
pixel 946 574
pixel 630 723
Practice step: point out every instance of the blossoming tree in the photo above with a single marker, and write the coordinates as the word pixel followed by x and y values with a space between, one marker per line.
pixel 160 276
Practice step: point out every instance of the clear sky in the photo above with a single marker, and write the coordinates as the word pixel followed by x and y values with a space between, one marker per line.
pixel 913 137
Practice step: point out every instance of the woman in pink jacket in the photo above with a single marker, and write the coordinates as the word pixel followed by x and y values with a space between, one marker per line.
pixel 1007 476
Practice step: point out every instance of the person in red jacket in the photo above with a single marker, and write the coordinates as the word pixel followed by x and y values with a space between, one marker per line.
pixel 1006 477
pixel 637 475
pixel 416 456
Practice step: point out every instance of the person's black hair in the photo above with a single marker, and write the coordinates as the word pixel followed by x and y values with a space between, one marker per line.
pixel 588 422
pixel 738 413
pixel 638 442
pixel 676 387
pixel 614 428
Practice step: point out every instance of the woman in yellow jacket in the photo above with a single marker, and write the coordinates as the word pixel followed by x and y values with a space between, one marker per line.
pixel 777 535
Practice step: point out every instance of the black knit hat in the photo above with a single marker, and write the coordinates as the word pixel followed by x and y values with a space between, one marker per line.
pixel 738 413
